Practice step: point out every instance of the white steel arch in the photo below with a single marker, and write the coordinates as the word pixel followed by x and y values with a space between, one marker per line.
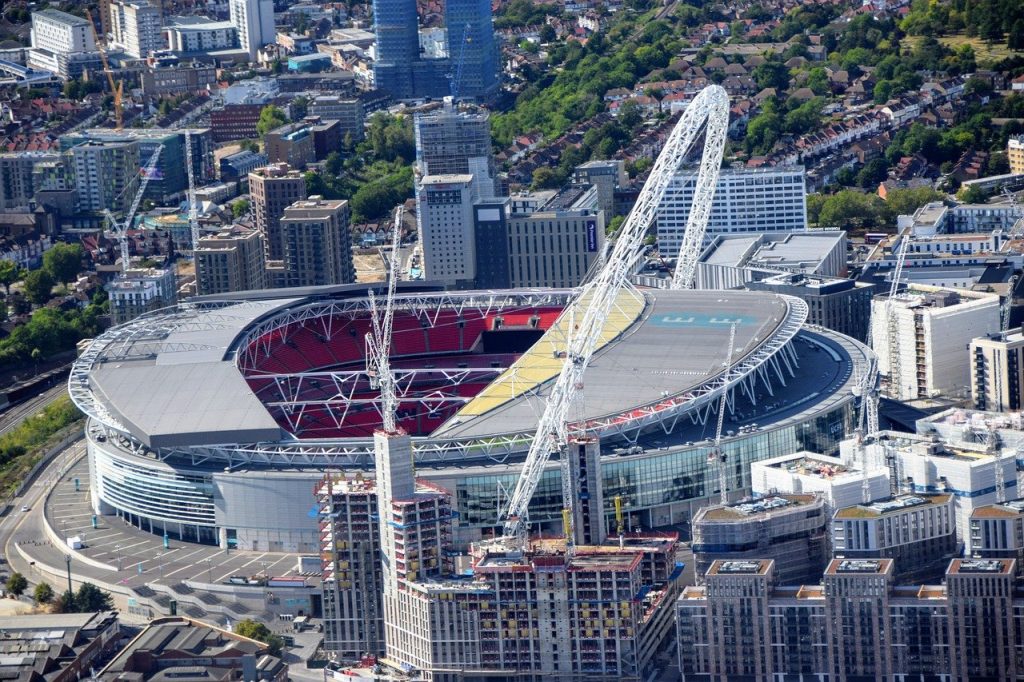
pixel 588 313
pixel 711 107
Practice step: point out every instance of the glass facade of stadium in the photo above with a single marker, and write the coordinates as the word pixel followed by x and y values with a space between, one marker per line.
pixel 273 509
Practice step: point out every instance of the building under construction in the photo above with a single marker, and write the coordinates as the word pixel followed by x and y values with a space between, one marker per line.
pixel 550 608
pixel 791 529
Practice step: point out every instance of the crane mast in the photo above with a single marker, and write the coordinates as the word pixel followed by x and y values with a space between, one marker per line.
pixel 378 343
pixel 193 209
pixel 717 453
pixel 892 323
pixel 116 90
pixel 598 298
pixel 120 229
pixel 456 75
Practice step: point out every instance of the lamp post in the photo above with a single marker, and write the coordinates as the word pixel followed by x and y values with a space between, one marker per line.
pixel 117 548
pixel 67 560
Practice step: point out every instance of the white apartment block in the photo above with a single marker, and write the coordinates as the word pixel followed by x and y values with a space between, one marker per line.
pixel 254 20
pixel 199 34
pixel 968 471
pixel 61 32
pixel 136 27
pixel 141 290
pixel 444 216
pixel 762 200
pixel 934 327
pixel 840 483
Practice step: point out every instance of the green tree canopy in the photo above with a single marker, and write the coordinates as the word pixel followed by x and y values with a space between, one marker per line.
pixel 17 584
pixel 43 594
pixel 270 117
pixel 239 208
pixel 849 209
pixel 906 201
pixel 91 598
pixel 261 633
pixel 39 286
pixel 10 272
pixel 63 261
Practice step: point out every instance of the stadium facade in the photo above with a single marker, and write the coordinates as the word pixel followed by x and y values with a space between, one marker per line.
pixel 215 420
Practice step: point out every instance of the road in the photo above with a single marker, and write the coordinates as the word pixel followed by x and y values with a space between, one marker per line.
pixel 15 415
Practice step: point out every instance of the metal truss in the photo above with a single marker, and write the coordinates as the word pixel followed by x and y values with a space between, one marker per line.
pixel 590 311
pixel 260 340
pixel 710 107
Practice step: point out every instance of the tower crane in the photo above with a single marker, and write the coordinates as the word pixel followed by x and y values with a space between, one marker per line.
pixel 378 343
pixel 717 453
pixel 456 75
pixel 193 209
pixel 892 323
pixel 116 90
pixel 1004 322
pixel 592 307
pixel 120 229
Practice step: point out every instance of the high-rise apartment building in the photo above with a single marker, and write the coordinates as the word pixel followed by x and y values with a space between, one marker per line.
pixel 317 243
pixel 136 27
pixel 997 371
pixel 62 44
pixel 752 201
pixel 17 183
pixel 454 140
pixel 170 181
pixel 997 532
pixel 934 328
pixel 471 48
pixel 399 68
pixel 231 260
pixel 272 190
pixel 860 624
pixel 791 529
pixel 254 20
pixel 58 31
pixel 444 216
pixel 141 290
pixel 104 171
pixel 918 532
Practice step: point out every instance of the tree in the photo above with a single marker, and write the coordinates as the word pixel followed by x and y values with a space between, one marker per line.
pixel 1015 41
pixel 270 117
pixel 250 145
pixel 10 272
pixel 873 172
pixel 240 208
pixel 261 633
pixel 614 225
pixel 972 195
pixel 43 594
pixel 547 33
pixel 332 164
pixel 906 201
pixel 17 584
pixel 771 74
pixel 65 603
pixel 63 262
pixel 630 115
pixel 849 209
pixel 300 107
pixel 38 286
pixel 544 178
pixel 92 598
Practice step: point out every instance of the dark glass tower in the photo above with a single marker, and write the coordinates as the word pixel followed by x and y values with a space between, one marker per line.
pixel 396 25
pixel 471 42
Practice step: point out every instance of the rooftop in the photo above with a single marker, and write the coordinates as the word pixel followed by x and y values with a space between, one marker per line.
pixel 754 567
pixel 783 250
pixel 447 179
pixel 64 17
pixel 892 505
pixel 750 508
pixel 859 566
pixel 982 566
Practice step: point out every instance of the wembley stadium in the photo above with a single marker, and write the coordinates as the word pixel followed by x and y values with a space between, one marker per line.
pixel 212 421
